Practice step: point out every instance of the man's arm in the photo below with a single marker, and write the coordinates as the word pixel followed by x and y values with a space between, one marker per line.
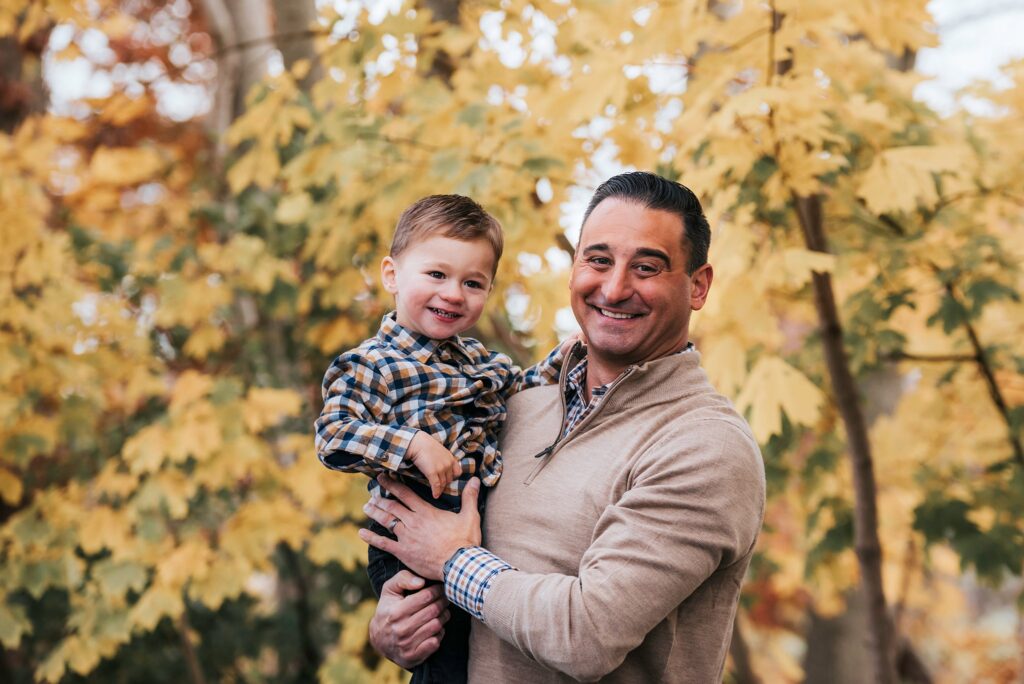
pixel 684 517
pixel 543 373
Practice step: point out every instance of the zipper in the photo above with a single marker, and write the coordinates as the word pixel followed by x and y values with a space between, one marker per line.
pixel 544 457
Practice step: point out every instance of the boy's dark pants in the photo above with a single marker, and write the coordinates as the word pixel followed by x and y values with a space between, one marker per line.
pixel 448 663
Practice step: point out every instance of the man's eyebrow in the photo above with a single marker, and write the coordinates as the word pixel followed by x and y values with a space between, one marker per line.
pixel 599 247
pixel 655 253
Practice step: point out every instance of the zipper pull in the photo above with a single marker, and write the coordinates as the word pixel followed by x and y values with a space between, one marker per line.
pixel 545 452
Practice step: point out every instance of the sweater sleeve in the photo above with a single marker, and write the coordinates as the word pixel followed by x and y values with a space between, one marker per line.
pixel 684 516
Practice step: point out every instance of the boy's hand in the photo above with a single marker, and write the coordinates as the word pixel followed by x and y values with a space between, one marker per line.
pixel 436 463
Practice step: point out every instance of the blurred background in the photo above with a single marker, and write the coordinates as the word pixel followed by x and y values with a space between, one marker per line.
pixel 194 200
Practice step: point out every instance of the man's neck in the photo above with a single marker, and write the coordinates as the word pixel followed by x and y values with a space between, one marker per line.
pixel 600 374
pixel 601 371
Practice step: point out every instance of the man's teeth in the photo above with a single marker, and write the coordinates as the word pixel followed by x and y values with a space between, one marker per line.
pixel 614 314
pixel 445 314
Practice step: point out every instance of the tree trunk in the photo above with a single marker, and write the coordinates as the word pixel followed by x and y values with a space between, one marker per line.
pixel 242 33
pixel 293 23
pixel 22 89
pixel 844 389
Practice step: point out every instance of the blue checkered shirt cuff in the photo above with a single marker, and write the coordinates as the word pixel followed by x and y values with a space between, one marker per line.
pixel 468 576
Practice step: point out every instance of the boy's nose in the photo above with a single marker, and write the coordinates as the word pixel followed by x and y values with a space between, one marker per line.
pixel 452 291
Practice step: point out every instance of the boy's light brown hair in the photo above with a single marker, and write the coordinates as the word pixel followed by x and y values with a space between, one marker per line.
pixel 453 216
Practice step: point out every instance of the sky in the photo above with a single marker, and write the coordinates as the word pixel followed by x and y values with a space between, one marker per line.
pixel 977 37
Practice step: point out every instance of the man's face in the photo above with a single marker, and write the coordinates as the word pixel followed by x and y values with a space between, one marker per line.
pixel 440 284
pixel 630 290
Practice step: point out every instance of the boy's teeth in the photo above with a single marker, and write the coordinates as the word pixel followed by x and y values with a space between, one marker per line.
pixel 613 314
pixel 444 313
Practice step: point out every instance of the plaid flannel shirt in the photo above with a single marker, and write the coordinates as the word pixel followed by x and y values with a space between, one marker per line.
pixel 469 573
pixel 379 394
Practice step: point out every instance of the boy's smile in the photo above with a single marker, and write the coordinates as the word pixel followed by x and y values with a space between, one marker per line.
pixel 440 284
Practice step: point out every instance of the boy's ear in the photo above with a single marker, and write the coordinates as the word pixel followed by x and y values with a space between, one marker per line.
pixel 387 274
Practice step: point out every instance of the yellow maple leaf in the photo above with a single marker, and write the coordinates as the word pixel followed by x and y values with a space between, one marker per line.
pixel 190 387
pixel 293 208
pixel 774 387
pixel 103 527
pixel 266 406
pixel 341 544
pixel 124 165
pixel 157 603
pixel 11 488
pixel 901 178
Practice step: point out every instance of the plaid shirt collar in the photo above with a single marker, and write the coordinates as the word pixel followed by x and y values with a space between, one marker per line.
pixel 415 345
pixel 575 392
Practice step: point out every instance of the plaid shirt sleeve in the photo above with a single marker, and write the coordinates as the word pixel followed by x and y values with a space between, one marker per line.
pixel 544 373
pixel 468 576
pixel 352 433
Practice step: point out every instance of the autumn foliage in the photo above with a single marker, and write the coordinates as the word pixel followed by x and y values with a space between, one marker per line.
pixel 169 298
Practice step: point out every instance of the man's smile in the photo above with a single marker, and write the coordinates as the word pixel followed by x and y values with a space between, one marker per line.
pixel 616 315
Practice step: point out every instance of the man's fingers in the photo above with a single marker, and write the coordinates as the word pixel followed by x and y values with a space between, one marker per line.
pixel 380 512
pixel 470 495
pixel 403 581
pixel 375 540
pixel 426 649
pixel 401 492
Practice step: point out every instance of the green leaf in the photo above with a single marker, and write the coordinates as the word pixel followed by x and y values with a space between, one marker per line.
pixel 950 313
pixel 13 623
pixel 117 578
pixel 981 292
pixel 541 165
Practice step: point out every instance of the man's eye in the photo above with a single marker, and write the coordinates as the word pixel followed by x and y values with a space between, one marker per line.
pixel 647 269
pixel 435 274
pixel 599 261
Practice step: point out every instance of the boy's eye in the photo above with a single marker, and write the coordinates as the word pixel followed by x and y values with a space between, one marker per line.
pixel 435 274
pixel 475 284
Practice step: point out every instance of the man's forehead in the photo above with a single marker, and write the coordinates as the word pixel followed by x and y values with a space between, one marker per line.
pixel 618 224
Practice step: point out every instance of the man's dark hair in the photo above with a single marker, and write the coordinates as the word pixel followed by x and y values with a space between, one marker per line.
pixel 654 192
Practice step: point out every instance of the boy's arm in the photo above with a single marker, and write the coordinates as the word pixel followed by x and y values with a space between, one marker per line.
pixel 546 372
pixel 354 429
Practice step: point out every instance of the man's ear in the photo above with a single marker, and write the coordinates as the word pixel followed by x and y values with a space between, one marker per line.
pixel 700 285
pixel 387 275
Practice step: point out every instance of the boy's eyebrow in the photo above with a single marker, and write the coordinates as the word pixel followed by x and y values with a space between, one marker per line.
pixel 446 266
pixel 640 252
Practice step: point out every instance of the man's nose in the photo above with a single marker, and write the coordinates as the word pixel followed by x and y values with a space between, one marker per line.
pixel 617 285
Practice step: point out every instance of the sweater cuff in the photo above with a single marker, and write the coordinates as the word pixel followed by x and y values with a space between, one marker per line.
pixel 468 576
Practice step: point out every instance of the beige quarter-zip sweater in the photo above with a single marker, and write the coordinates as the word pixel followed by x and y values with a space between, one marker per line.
pixel 630 536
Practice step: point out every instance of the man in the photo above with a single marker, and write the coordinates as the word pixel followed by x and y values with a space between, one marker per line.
pixel 632 494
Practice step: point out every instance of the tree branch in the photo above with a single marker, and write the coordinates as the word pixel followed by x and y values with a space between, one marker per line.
pixel 929 358
pixel 988 373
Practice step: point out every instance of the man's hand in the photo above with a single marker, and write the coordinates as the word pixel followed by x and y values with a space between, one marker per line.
pixel 436 463
pixel 426 536
pixel 406 629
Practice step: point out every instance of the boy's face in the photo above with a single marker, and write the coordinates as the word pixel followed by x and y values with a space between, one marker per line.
pixel 440 284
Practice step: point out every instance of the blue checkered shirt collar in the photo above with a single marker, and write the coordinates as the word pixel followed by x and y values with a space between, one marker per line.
pixel 416 345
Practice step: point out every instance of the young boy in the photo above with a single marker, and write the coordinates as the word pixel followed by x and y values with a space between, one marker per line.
pixel 417 400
